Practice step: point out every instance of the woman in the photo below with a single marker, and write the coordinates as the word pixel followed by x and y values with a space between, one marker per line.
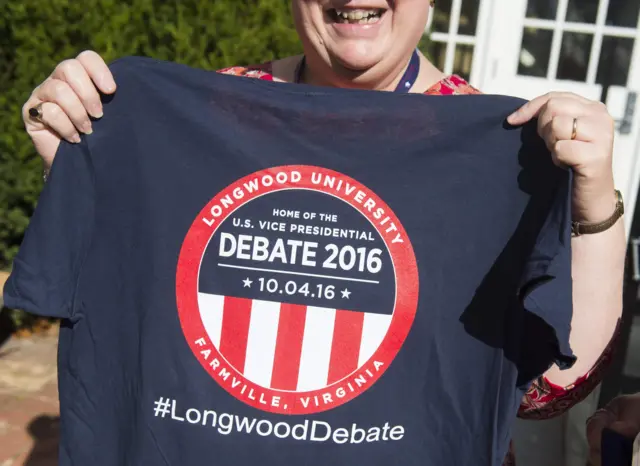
pixel 371 45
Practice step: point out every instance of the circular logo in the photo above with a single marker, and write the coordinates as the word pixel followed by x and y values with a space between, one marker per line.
pixel 296 288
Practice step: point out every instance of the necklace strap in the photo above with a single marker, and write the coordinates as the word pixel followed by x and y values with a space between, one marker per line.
pixel 410 75
pixel 406 82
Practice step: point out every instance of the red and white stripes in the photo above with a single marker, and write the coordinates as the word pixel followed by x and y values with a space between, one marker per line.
pixel 290 347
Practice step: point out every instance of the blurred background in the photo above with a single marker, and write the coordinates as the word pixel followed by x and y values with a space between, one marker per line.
pixel 517 47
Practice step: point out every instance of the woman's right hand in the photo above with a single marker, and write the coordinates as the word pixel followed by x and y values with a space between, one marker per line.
pixel 68 96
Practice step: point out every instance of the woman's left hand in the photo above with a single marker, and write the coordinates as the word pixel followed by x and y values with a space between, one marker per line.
pixel 588 151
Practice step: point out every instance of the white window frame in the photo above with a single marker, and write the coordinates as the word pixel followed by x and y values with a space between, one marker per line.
pixel 452 38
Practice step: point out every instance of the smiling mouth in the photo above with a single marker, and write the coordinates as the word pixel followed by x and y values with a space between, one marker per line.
pixel 356 16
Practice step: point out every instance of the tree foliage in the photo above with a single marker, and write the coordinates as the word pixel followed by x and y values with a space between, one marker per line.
pixel 36 35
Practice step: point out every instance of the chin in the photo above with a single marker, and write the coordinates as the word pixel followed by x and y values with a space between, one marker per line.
pixel 357 59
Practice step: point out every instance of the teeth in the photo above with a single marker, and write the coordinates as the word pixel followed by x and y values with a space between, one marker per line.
pixel 358 16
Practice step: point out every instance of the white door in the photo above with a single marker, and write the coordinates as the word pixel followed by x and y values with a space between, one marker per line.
pixel 590 47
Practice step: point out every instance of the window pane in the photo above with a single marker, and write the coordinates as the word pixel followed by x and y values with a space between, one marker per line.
pixel 623 13
pixel 436 52
pixel 535 51
pixel 441 15
pixel 469 17
pixel 542 9
pixel 582 11
pixel 463 60
pixel 574 56
pixel 615 61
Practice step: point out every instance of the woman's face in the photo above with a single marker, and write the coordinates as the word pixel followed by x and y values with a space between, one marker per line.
pixel 358 35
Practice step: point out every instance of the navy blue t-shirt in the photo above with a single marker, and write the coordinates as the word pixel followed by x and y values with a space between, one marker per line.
pixel 258 273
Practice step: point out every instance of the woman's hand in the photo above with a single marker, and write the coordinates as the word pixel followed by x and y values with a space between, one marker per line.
pixel 68 97
pixel 589 153
pixel 621 415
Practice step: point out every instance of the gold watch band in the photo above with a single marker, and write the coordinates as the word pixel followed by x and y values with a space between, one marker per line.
pixel 579 229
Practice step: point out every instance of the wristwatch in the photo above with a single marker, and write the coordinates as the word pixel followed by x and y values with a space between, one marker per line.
pixel 578 228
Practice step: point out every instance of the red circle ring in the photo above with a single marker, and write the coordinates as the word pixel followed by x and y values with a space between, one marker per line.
pixel 194 247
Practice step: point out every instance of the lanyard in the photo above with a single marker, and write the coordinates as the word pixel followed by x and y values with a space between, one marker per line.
pixel 406 83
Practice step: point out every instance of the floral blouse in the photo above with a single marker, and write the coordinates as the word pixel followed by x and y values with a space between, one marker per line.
pixel 543 400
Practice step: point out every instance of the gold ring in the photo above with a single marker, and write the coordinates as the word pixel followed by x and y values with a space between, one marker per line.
pixel 36 112
pixel 574 131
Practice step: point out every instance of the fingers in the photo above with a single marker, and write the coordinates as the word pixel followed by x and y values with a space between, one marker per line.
pixel 589 151
pixel 62 110
pixel 71 96
pixel 62 94
pixel 84 74
pixel 56 120
pixel 600 420
pixel 574 153
pixel 98 71
pixel 533 108
pixel 66 100
pixel 561 106
pixel 74 74
pixel 560 128
pixel 556 115
pixel 628 405
pixel 621 415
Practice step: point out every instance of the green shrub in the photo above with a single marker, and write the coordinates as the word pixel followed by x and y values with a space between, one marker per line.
pixel 35 35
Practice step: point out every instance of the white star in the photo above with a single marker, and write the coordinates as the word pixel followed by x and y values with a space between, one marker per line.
pixel 346 293
pixel 247 283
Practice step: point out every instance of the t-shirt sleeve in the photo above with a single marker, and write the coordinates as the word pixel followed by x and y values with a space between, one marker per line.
pixel 45 272
pixel 546 283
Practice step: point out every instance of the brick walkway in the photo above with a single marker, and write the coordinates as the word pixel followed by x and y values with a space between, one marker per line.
pixel 28 401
